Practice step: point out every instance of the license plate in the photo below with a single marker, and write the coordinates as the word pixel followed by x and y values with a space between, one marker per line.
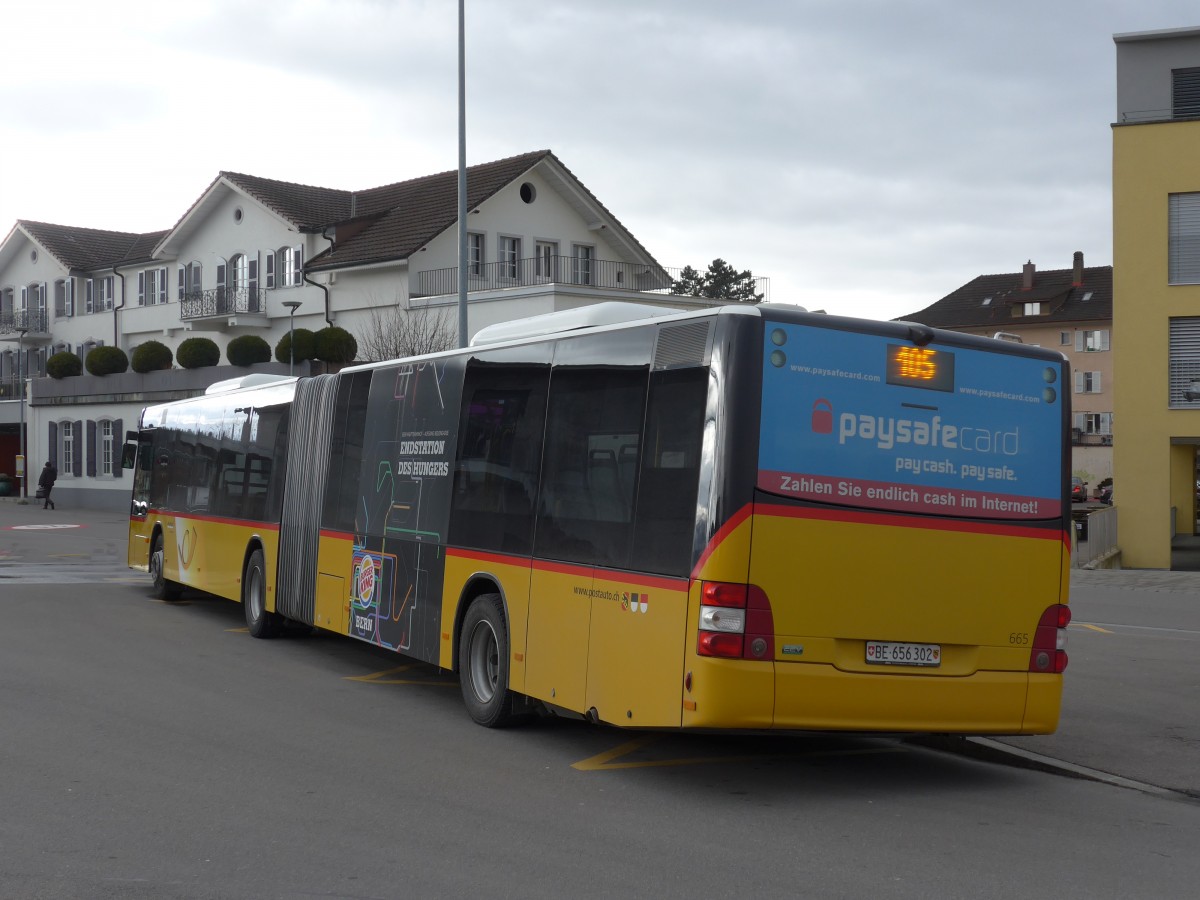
pixel 892 653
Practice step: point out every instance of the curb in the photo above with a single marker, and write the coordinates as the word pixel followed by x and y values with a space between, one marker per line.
pixel 1005 754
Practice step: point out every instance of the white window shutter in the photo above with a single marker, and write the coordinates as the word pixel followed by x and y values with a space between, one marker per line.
pixel 1096 382
pixel 1079 382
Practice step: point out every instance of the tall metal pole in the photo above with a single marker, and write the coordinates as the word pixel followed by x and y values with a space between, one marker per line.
pixel 462 176
pixel 292 306
pixel 23 487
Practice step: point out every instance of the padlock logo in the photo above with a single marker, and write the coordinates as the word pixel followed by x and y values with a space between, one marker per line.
pixel 822 417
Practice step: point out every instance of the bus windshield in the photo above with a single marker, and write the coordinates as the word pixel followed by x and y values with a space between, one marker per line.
pixel 868 421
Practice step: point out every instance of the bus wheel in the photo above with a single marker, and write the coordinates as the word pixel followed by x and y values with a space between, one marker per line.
pixel 161 587
pixel 262 624
pixel 483 662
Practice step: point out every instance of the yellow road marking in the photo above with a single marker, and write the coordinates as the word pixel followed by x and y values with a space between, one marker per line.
pixel 1093 627
pixel 603 761
pixel 384 677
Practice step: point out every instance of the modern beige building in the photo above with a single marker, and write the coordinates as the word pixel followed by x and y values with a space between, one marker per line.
pixel 1156 260
pixel 1064 309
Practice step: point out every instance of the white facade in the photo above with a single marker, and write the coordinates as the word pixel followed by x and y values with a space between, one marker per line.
pixel 231 263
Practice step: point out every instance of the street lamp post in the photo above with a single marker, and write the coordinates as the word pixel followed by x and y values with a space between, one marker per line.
pixel 22 489
pixel 292 305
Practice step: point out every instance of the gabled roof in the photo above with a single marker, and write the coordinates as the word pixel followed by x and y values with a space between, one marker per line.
pixel 391 223
pixel 987 301
pixel 401 218
pixel 90 248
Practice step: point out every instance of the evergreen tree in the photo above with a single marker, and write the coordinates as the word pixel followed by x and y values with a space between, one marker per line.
pixel 720 282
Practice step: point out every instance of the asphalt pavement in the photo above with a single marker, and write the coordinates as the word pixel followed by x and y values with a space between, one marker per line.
pixel 1130 712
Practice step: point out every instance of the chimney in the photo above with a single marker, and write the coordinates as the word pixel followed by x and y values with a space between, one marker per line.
pixel 1027 275
pixel 1077 276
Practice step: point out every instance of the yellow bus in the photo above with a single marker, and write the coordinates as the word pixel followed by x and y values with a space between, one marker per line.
pixel 750 517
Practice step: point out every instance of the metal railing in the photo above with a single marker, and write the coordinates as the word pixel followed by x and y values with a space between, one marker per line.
pixel 1180 113
pixel 1100 529
pixel 33 321
pixel 9 387
pixel 599 273
pixel 223 302
pixel 1086 439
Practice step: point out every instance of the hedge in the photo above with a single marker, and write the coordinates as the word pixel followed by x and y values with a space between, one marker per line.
pixel 305 346
pixel 151 357
pixel 106 361
pixel 64 365
pixel 248 349
pixel 198 352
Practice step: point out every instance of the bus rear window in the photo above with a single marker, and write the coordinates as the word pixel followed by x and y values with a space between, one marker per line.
pixel 868 421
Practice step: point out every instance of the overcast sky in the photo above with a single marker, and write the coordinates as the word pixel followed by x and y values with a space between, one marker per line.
pixel 868 156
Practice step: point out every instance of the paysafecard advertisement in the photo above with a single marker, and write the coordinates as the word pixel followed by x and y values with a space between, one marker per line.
pixel 871 421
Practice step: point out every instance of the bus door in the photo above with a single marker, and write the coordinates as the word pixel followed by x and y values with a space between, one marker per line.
pixel 138 456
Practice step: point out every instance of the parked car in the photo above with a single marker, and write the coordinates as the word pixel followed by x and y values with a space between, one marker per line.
pixel 1105 494
pixel 1078 489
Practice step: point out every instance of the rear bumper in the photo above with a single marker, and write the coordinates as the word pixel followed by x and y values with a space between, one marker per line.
pixel 785 696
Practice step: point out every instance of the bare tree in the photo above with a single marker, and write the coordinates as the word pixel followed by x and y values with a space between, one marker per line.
pixel 393 332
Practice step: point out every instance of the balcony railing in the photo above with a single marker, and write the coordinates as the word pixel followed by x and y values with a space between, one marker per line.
pixel 9 389
pixel 1180 113
pixel 32 321
pixel 1088 439
pixel 598 273
pixel 223 302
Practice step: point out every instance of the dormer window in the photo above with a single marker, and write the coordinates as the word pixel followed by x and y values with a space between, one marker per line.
pixel 1033 309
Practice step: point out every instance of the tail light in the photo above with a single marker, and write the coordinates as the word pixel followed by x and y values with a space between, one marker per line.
pixel 735 622
pixel 1049 653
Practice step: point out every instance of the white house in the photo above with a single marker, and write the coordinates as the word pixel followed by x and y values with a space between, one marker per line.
pixel 257 256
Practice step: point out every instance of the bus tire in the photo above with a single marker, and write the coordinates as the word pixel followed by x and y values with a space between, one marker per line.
pixel 161 587
pixel 483 662
pixel 262 624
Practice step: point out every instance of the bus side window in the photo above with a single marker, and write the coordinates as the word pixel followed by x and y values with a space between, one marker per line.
pixel 499 454
pixel 584 515
pixel 670 470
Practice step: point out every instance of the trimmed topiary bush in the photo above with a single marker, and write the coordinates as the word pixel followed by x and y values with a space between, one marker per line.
pixel 64 365
pixel 248 349
pixel 198 352
pixel 335 345
pixel 151 357
pixel 106 361
pixel 305 346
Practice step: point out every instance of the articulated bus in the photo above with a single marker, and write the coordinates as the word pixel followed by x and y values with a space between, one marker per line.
pixel 749 517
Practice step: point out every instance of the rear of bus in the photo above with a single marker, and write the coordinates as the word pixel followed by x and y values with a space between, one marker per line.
pixel 903 563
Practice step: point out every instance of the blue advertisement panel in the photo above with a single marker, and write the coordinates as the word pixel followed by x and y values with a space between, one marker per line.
pixel 871 421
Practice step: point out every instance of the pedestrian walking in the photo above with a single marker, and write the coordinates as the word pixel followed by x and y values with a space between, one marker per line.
pixel 46 484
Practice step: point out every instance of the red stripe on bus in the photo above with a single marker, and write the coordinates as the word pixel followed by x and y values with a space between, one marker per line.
pixel 658 582
pixel 722 533
pixel 882 518
pixel 219 520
